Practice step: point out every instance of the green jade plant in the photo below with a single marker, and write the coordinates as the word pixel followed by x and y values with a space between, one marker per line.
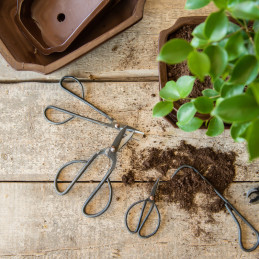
pixel 227 50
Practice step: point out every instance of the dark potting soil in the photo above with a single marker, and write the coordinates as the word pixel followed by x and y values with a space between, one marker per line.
pixel 178 70
pixel 128 178
pixel 217 167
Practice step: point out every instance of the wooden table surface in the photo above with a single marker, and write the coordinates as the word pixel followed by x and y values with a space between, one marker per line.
pixel 120 76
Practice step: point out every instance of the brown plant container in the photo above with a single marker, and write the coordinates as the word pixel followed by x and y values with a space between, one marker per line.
pixel 52 25
pixel 22 55
pixel 163 78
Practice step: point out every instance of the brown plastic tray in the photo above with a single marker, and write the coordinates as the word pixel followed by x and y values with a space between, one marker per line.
pixel 163 79
pixel 52 25
pixel 22 55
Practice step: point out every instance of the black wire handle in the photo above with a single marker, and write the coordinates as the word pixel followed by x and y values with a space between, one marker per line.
pixel 231 209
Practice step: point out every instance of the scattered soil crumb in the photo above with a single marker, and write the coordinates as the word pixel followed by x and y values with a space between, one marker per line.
pixel 128 178
pixel 153 95
pixel 218 167
pixel 118 198
pixel 115 48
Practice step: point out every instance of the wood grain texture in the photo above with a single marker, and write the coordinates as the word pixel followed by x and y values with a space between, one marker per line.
pixel 35 222
pixel 130 55
pixel 33 149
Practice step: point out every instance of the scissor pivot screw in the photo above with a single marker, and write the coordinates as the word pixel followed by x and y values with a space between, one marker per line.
pixel 117 125
pixel 151 198
pixel 113 149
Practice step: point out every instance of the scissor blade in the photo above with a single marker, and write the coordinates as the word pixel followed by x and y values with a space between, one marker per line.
pixel 116 143
pixel 154 188
pixel 130 129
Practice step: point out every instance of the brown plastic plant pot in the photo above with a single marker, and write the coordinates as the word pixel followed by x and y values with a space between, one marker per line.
pixel 52 25
pixel 22 55
pixel 163 75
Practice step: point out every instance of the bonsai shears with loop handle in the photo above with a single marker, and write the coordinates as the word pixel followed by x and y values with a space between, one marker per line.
pixel 111 153
pixel 112 122
pixel 141 221
pixel 231 209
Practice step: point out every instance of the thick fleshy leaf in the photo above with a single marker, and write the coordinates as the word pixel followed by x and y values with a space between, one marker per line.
pixel 218 60
pixel 245 70
pixel 221 4
pixel 199 31
pixel 255 89
pixel 252 138
pixel 229 90
pixel 170 92
pixel 215 128
pixel 203 104
pixel 185 113
pixel 162 109
pixel 218 83
pixel 199 43
pixel 248 10
pixel 232 27
pixel 239 108
pixel 237 130
pixel 211 93
pixel 235 46
pixel 185 85
pixel 199 64
pixel 216 26
pixel 194 124
pixel 256 26
pixel 196 4
pixel 175 51
pixel 256 40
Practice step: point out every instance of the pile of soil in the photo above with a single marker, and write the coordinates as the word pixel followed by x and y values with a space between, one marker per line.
pixel 178 70
pixel 217 167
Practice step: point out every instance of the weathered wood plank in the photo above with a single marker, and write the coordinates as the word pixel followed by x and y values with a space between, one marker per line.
pixel 35 222
pixel 31 149
pixel 135 54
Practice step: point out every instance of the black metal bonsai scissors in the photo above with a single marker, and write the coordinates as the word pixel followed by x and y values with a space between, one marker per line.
pixel 111 124
pixel 231 209
pixel 111 153
pixel 140 224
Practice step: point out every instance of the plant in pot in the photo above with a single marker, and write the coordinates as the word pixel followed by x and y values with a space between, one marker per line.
pixel 224 47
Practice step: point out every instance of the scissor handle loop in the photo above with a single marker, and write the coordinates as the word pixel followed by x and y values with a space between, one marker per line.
pixel 79 174
pixel 141 223
pixel 230 210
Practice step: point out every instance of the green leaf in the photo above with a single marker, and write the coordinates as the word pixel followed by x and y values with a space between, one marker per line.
pixel 194 124
pixel 175 51
pixel 199 31
pixel 248 10
pixel 170 92
pixel 199 64
pixel 176 90
pixel 235 46
pixel 232 27
pixel 203 104
pixel 196 4
pixel 185 113
pixel 256 40
pixel 221 4
pixel 185 85
pixel 239 108
pixel 218 83
pixel 210 93
pixel 218 60
pixel 256 26
pixel 255 89
pixel 237 130
pixel 245 70
pixel 199 43
pixel 252 138
pixel 229 90
pixel 216 127
pixel 162 109
pixel 216 26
